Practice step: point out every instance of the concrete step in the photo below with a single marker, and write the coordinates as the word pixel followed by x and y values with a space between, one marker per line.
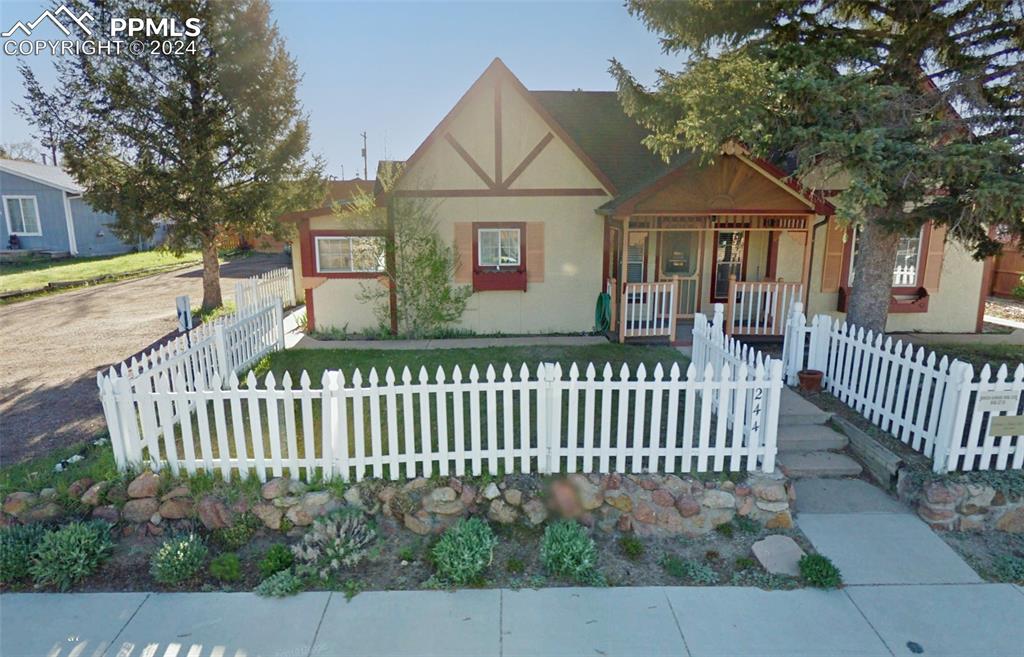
pixel 796 411
pixel 818 464
pixel 810 438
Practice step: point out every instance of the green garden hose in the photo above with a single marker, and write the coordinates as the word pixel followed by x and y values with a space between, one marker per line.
pixel 603 312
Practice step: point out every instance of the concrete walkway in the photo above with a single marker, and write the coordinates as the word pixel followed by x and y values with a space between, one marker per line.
pixel 961 621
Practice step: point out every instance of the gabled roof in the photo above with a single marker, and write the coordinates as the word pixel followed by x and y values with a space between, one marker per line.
pixel 342 192
pixel 43 174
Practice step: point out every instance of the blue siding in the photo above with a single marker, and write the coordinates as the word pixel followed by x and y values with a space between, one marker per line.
pixel 50 202
pixel 92 232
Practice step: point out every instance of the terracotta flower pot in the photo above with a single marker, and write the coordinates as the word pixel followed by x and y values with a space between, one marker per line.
pixel 810 380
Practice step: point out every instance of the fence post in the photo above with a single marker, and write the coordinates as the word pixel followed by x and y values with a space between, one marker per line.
pixel 793 345
pixel 953 415
pixel 220 347
pixel 545 397
pixel 279 322
pixel 109 403
pixel 771 423
pixel 821 333
pixel 717 317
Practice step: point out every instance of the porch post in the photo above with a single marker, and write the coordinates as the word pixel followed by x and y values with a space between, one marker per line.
pixel 623 279
pixel 806 279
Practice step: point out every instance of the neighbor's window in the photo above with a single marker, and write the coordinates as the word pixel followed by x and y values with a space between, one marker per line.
pixel 349 254
pixel 499 247
pixel 22 215
pixel 908 258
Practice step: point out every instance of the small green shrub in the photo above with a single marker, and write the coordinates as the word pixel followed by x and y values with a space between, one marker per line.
pixel 1009 569
pixel 280 585
pixel 407 553
pixel 71 553
pixel 1018 289
pixel 514 566
pixel 277 558
pixel 239 534
pixel 566 551
pixel 690 570
pixel 351 588
pixel 178 559
pixel 464 551
pixel 17 543
pixel 743 563
pixel 818 570
pixel 747 525
pixel 725 529
pixel 763 580
pixel 341 539
pixel 226 567
pixel 632 547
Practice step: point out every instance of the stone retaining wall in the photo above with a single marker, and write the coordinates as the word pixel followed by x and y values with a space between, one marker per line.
pixel 962 506
pixel 648 505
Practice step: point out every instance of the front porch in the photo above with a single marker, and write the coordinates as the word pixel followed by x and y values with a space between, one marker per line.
pixel 735 232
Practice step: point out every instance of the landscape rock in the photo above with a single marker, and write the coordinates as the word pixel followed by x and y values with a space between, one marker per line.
pixel 213 514
pixel 535 512
pixel 78 487
pixel 418 523
pixel 298 516
pixel 287 501
pixel 779 555
pixel 269 515
pixel 675 485
pixel 772 507
pixel 48 494
pixel 416 484
pixel 176 508
pixel 619 499
pixel 156 519
pixel 937 493
pixel 611 481
pixel 783 520
pixel 45 512
pixel 718 499
pixel 17 503
pixel 354 497
pixel 146 484
pixel 687 506
pixel 140 510
pixel 502 512
pixel 770 491
pixel 176 492
pixel 624 523
pixel 514 496
pixel 107 512
pixel 590 495
pixel 1012 521
pixel 94 493
pixel 662 497
pixel 276 487
pixel 746 506
pixel 716 517
pixel 444 501
pixel 491 491
pixel 318 503
pixel 297 487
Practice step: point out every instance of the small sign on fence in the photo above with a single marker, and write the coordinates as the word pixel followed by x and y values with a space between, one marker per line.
pixel 184 309
pixel 997 401
pixel 1006 425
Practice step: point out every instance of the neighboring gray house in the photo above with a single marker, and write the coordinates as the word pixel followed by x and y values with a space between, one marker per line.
pixel 43 206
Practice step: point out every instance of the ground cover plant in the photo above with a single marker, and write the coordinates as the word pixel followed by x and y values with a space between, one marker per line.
pixel 226 567
pixel 819 571
pixel 178 559
pixel 67 555
pixel 567 551
pixel 17 543
pixel 464 552
pixel 340 540
pixel 279 557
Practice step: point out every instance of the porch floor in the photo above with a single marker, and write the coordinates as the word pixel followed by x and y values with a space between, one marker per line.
pixel 682 338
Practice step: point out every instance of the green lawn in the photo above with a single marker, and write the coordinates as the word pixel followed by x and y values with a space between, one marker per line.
pixel 979 355
pixel 315 361
pixel 36 273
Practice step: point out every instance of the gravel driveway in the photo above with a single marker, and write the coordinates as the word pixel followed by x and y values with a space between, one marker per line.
pixel 52 347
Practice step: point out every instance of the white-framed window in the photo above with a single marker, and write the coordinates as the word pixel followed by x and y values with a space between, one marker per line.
pixel 498 247
pixel 349 255
pixel 22 214
pixel 908 259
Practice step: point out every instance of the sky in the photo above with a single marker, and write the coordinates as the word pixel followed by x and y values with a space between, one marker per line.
pixel 394 69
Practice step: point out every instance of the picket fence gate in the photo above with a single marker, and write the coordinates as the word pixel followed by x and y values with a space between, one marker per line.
pixel 261 290
pixel 934 405
pixel 721 416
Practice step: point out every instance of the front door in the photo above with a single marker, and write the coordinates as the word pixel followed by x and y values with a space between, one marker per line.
pixel 680 257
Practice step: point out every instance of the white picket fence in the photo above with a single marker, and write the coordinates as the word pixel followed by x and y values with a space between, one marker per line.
pixel 262 289
pixel 933 405
pixel 404 425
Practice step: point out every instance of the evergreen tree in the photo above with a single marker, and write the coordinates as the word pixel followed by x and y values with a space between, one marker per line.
pixel 920 103
pixel 210 141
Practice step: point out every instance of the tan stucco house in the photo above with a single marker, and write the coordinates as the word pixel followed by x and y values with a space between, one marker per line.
pixel 551 199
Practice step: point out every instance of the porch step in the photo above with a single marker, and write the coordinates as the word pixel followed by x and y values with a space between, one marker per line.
pixel 794 410
pixel 818 464
pixel 809 438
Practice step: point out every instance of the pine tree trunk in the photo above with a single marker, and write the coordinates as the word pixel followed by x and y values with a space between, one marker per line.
pixel 872 285
pixel 211 276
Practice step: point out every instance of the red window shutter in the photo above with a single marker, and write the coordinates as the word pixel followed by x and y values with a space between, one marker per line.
pixel 464 250
pixel 535 252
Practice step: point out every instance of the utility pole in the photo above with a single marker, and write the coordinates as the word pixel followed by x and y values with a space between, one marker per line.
pixel 365 171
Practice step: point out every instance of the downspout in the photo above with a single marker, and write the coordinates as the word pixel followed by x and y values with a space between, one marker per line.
pixel 807 289
pixel 72 242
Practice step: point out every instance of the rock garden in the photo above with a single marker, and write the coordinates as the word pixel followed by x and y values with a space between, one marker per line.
pixel 152 531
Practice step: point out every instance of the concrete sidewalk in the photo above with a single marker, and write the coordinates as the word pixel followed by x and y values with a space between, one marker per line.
pixel 965 620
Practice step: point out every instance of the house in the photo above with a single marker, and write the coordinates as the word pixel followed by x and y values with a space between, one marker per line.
pixel 43 206
pixel 550 199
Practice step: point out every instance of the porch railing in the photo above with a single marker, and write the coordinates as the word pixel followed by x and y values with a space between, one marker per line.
pixel 760 308
pixel 648 310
